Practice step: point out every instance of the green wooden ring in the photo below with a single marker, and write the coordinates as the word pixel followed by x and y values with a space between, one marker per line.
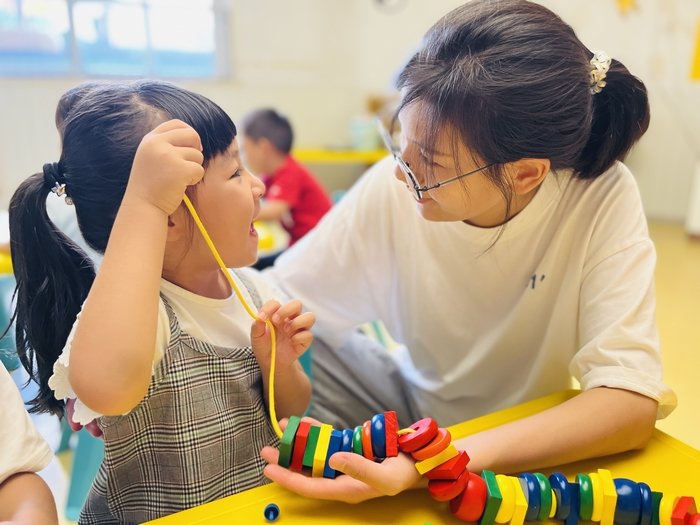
pixel 585 497
pixel 357 440
pixel 545 496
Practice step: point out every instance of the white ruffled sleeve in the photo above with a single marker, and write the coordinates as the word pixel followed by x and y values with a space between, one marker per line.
pixel 61 386
pixel 60 383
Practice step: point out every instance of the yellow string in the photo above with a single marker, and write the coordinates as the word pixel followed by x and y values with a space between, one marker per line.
pixel 234 286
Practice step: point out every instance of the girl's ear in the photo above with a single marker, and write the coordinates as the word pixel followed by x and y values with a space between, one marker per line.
pixel 178 225
pixel 528 174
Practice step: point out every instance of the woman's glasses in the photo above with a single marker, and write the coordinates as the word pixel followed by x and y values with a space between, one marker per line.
pixel 411 180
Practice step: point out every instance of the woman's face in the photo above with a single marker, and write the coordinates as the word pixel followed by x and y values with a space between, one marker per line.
pixel 473 199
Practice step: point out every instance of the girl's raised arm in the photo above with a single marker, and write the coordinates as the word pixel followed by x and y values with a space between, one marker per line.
pixel 112 352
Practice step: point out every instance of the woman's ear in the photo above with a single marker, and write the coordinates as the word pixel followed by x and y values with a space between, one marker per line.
pixel 528 174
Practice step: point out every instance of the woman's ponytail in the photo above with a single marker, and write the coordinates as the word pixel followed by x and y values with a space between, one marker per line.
pixel 620 118
pixel 53 278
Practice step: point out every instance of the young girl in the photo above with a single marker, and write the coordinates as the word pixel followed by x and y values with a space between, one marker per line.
pixel 518 258
pixel 161 352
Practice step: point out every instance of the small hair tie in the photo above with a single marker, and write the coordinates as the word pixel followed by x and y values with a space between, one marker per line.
pixel 601 64
pixel 55 181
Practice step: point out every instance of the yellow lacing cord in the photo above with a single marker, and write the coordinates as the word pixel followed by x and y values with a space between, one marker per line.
pixel 273 338
pixel 234 286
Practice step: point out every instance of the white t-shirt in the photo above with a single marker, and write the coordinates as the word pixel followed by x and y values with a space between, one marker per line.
pixel 22 449
pixel 487 321
pixel 221 322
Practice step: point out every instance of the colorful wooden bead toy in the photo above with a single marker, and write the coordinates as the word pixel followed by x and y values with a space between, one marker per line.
pixel 489 498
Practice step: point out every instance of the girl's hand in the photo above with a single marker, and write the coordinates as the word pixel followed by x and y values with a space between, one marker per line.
pixel 364 479
pixel 292 331
pixel 75 427
pixel 168 160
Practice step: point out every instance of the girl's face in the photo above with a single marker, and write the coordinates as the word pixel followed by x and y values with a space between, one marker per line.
pixel 473 199
pixel 228 201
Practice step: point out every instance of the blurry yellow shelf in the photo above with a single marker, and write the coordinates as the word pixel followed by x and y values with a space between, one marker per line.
pixel 337 156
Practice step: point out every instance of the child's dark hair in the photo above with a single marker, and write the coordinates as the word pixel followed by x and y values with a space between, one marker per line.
pixel 269 124
pixel 513 81
pixel 101 125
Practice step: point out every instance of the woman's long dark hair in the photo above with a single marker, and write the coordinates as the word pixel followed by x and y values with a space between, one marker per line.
pixel 513 81
pixel 101 125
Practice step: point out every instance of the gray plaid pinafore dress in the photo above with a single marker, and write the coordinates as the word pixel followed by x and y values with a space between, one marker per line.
pixel 195 437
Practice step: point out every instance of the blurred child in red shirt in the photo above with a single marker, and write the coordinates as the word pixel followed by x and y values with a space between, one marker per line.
pixel 293 196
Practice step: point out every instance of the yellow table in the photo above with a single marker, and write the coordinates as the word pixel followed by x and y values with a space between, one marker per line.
pixel 666 465
pixel 331 156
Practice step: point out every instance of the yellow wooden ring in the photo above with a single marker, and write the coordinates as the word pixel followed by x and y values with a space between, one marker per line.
pixel 668 502
pixel 505 511
pixel 520 502
pixel 597 489
pixel 553 512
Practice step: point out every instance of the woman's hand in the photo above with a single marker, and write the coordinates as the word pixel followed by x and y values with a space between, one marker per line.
pixel 168 159
pixel 364 479
pixel 292 331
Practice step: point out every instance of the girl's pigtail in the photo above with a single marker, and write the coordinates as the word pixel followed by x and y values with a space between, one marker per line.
pixel 53 279
pixel 620 118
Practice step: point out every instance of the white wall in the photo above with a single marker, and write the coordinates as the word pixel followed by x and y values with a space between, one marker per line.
pixel 317 60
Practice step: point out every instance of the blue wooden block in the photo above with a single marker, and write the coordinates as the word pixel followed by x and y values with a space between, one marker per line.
pixel 629 502
pixel 531 488
pixel 574 499
pixel 560 486
pixel 647 509
pixel 378 433
pixel 346 445
pixel 333 446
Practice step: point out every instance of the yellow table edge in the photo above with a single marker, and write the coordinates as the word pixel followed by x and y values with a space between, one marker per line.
pixel 249 505
pixel 330 156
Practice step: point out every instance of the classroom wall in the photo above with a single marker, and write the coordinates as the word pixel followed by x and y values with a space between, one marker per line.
pixel 318 60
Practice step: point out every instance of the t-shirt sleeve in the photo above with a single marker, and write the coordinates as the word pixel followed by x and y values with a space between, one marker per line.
pixel 22 449
pixel 60 383
pixel 338 270
pixel 618 340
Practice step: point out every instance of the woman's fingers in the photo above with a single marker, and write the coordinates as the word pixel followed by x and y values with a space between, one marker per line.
pixel 343 488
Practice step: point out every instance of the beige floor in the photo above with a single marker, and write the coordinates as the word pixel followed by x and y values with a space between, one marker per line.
pixel 678 315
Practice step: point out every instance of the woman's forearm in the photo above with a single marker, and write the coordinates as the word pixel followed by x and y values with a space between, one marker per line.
pixel 597 422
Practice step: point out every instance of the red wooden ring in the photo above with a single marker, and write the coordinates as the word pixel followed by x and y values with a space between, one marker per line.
pixel 445 490
pixel 367 440
pixel 469 506
pixel 439 443
pixel 300 446
pixel 425 430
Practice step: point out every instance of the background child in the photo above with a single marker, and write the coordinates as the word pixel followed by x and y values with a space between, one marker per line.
pixel 512 254
pixel 293 195
pixel 161 353
pixel 24 496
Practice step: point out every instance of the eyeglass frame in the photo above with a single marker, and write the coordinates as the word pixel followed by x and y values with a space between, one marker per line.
pixel 410 177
